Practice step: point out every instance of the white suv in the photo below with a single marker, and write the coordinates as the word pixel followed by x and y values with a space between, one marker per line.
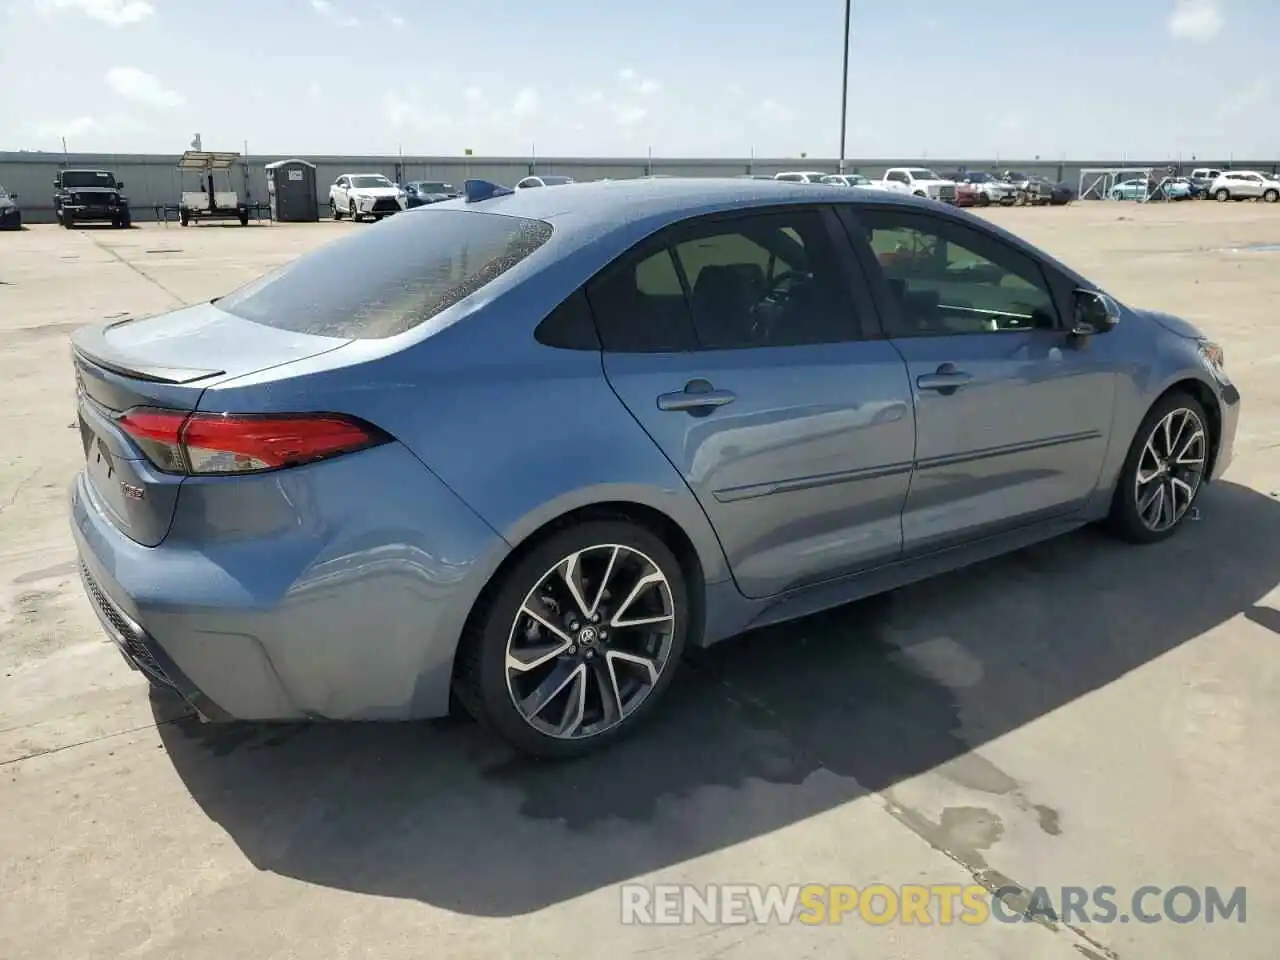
pixel 801 176
pixel 1245 185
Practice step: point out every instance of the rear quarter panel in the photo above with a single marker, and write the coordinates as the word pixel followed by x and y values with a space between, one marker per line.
pixel 521 432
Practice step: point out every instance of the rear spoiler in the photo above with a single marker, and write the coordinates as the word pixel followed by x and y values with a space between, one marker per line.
pixel 91 344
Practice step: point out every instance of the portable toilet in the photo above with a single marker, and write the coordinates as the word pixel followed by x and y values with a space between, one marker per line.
pixel 291 184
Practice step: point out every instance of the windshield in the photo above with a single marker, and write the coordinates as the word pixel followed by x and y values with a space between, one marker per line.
pixel 373 181
pixel 858 180
pixel 88 178
pixel 435 186
pixel 923 174
pixel 979 177
pixel 556 181
pixel 382 282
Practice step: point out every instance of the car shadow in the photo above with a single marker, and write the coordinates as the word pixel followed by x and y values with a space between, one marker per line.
pixel 866 695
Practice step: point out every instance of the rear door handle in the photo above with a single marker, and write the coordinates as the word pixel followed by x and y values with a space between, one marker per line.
pixel 697 397
pixel 946 380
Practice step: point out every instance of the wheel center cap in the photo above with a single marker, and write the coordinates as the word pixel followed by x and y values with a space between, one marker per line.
pixel 587 636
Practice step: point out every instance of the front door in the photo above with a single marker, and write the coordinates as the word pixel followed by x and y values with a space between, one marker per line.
pixel 737 343
pixel 1013 415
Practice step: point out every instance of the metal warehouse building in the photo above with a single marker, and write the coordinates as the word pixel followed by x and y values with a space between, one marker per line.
pixel 152 180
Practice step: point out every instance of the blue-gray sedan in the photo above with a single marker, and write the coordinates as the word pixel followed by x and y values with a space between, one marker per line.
pixel 526 448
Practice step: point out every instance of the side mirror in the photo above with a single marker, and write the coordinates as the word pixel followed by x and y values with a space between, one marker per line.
pixel 1093 312
pixel 119 184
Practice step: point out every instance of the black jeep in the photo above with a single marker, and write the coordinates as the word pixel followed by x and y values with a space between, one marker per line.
pixel 89 196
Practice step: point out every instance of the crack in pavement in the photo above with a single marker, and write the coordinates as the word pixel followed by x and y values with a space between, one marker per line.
pixel 135 268
pixel 98 739
pixel 1016 896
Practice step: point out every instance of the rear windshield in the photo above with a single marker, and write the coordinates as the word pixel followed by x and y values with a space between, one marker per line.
pixel 390 278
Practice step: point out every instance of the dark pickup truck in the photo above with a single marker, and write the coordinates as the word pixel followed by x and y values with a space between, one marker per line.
pixel 89 196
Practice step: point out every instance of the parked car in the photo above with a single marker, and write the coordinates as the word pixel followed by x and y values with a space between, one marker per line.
pixel 801 176
pixel 543 181
pixel 89 196
pixel 919 182
pixel 1246 185
pixel 10 215
pixel 1142 188
pixel 847 180
pixel 418 193
pixel 1030 191
pixel 300 499
pixel 1202 178
pixel 967 194
pixel 1184 188
pixel 989 188
pixel 361 195
pixel 1062 194
pixel 1135 189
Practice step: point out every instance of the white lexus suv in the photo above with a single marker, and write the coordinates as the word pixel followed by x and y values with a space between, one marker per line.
pixel 360 195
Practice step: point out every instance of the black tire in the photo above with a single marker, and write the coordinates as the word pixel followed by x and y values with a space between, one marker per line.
pixel 68 221
pixel 1271 196
pixel 351 210
pixel 244 218
pixel 334 212
pixel 480 675
pixel 984 200
pixel 1124 520
pixel 1223 195
pixel 184 218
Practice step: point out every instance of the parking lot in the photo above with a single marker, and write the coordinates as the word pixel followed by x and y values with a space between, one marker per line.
pixel 1080 714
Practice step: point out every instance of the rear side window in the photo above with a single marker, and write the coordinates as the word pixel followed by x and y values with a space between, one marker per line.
pixel 390 278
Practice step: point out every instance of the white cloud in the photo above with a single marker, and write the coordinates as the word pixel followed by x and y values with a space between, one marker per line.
pixel 393 18
pixel 135 84
pixel 77 127
pixel 734 89
pixel 406 113
pixel 1197 20
pixel 1246 99
pixel 638 84
pixel 474 95
pixel 331 13
pixel 629 114
pixel 771 111
pixel 117 13
pixel 591 98
pixel 525 105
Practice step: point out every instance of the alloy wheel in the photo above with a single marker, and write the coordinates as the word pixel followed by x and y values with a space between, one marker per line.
pixel 590 641
pixel 1170 469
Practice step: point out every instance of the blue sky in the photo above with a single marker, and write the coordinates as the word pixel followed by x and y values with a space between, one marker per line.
pixel 932 78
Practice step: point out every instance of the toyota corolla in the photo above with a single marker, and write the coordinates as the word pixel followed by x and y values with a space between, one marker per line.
pixel 524 449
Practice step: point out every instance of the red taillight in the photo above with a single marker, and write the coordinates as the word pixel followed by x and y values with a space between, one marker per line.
pixel 212 443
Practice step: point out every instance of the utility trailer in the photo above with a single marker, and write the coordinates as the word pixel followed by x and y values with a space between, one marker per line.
pixel 209 203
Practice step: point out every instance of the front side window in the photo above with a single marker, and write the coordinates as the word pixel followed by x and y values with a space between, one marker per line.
pixel 945 278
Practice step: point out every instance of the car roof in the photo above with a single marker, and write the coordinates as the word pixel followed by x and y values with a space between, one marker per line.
pixel 642 206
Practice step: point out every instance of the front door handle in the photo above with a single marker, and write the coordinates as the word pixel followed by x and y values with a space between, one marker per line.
pixel 698 397
pixel 946 380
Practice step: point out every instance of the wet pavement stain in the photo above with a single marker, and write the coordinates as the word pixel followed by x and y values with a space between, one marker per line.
pixel 1050 820
pixel 45 573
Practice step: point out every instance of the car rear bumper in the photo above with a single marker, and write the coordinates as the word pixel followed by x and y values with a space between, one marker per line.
pixel 349 609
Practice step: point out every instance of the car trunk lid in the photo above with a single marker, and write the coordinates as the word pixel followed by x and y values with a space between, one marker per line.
pixel 164 362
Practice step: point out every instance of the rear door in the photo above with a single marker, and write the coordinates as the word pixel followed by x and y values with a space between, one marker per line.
pixel 1013 416
pixel 739 344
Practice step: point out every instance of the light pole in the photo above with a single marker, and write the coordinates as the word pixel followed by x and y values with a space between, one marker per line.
pixel 844 81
